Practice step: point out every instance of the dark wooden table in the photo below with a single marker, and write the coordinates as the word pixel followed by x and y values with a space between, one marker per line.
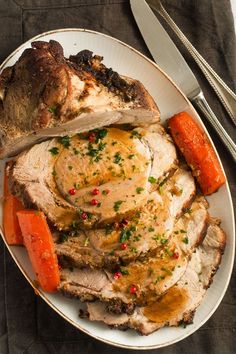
pixel 27 324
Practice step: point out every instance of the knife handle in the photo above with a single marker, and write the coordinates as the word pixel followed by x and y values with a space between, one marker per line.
pixel 201 103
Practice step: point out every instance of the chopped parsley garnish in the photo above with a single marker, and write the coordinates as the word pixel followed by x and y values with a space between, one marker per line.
pixel 139 190
pixel 137 238
pixel 151 229
pixel 101 146
pixel 52 109
pixel 133 228
pixel 74 225
pixel 54 151
pixel 124 271
pixel 185 240
pixel 125 235
pixel 63 237
pixel 117 205
pixel 134 249
pixel 157 237
pixel 99 134
pixel 102 133
pixel 166 270
pixel 76 152
pixel 135 134
pixel 70 167
pixel 131 156
pixel 65 141
pixel 182 231
pixel 164 241
pixel 159 278
pixel 114 143
pixel 109 228
pixel 152 179
pixel 169 252
pixel 161 184
pixel 117 158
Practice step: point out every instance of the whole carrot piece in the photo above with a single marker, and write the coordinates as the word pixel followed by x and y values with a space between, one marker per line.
pixel 198 152
pixel 11 205
pixel 39 244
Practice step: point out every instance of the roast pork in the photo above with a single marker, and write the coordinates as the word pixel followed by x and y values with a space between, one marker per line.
pixel 179 303
pixel 45 95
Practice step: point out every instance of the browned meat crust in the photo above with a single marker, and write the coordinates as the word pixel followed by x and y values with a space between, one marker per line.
pixel 44 90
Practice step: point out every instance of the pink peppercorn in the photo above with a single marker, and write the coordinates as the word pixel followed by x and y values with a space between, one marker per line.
pixel 94 202
pixel 72 191
pixel 95 191
pixel 123 246
pixel 117 275
pixel 133 289
pixel 84 216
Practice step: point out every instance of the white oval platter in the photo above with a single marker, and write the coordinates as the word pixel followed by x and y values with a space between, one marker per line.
pixel 128 61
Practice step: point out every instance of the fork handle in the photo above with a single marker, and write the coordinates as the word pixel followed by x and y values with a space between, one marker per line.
pixel 201 103
pixel 225 94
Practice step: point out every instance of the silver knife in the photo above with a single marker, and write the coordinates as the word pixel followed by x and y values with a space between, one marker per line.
pixel 170 60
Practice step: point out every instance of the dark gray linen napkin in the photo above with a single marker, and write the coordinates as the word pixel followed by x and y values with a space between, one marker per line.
pixel 27 324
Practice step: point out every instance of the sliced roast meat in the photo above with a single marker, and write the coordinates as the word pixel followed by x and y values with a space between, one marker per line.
pixel 179 303
pixel 45 95
pixel 91 178
pixel 141 282
pixel 137 236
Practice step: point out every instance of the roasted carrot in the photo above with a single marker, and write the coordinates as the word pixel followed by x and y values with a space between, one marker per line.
pixel 11 225
pixel 39 244
pixel 198 152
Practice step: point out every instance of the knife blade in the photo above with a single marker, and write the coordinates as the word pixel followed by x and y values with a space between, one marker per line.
pixel 171 61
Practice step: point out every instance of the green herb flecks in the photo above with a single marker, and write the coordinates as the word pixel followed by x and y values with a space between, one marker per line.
pixel 117 158
pixel 139 190
pixel 117 205
pixel 152 179
pixel 166 270
pixel 185 240
pixel 65 141
pixel 159 278
pixel 125 235
pixel 54 151
pixel 109 228
pixel 135 134
pixel 52 109
pixel 124 271
pixel 63 237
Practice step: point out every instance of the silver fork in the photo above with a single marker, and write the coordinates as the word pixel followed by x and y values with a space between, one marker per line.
pixel 225 94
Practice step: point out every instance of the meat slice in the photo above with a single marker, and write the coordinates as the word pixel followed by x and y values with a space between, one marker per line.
pixel 141 234
pixel 179 304
pixel 45 95
pixel 151 278
pixel 93 178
